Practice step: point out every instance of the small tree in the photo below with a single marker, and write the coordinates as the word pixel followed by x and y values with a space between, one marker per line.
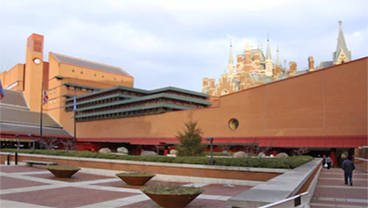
pixel 191 139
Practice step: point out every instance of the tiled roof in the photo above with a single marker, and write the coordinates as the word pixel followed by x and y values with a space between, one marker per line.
pixel 33 129
pixel 149 97
pixel 21 116
pixel 14 98
pixel 89 64
pixel 324 64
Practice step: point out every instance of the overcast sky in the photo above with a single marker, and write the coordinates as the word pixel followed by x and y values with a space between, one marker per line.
pixel 176 43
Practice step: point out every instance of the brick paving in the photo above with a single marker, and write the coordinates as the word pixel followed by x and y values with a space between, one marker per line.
pixel 10 183
pixel 35 187
pixel 332 192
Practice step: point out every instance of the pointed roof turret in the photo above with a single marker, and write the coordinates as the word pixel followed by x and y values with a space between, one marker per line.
pixel 268 55
pixel 231 60
pixel 278 63
pixel 341 46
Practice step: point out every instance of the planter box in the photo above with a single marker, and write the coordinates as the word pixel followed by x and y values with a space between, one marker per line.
pixel 178 201
pixel 135 180
pixel 63 173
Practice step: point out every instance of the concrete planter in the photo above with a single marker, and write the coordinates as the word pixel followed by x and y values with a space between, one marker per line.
pixel 63 173
pixel 177 201
pixel 135 180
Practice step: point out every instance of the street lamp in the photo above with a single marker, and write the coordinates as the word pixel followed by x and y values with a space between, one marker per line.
pixel 18 146
pixel 34 142
pixel 211 148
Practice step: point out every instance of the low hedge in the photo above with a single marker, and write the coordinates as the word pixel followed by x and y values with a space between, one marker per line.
pixel 286 163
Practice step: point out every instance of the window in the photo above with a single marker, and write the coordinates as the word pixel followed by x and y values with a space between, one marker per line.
pixel 233 124
pixel 73 70
pixel 81 72
pixel 71 88
pixel 50 101
pixel 114 78
pixel 54 90
pixel 121 80
pixel 54 101
pixel 95 75
pixel 102 76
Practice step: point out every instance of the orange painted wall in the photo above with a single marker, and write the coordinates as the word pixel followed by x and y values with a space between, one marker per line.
pixel 33 72
pixel 66 70
pixel 327 102
pixel 14 75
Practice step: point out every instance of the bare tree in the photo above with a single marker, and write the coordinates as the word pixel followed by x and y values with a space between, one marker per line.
pixel 68 144
pixel 301 151
pixel 50 142
pixel 225 147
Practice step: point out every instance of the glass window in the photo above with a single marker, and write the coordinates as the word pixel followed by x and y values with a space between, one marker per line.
pixel 233 124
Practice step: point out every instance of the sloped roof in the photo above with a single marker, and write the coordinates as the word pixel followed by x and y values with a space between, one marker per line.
pixel 21 116
pixel 160 105
pixel 260 52
pixel 14 98
pixel 89 64
pixel 15 117
pixel 32 129
pixel 324 64
pixel 148 97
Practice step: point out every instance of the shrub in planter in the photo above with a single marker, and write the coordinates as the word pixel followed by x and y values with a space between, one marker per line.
pixel 171 195
pixel 135 178
pixel 61 171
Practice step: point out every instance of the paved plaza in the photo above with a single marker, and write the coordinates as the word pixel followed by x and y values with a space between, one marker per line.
pixel 332 192
pixel 35 187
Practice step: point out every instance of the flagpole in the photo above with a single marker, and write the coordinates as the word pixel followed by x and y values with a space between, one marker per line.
pixel 41 115
pixel 75 119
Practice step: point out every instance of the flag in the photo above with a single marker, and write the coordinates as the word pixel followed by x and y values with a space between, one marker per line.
pixel 45 96
pixel 75 103
pixel 2 93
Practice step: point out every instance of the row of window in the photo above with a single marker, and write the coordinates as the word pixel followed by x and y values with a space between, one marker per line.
pixel 137 104
pixel 95 75
pixel 125 114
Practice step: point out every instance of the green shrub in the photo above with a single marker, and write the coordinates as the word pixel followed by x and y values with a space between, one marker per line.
pixel 62 167
pixel 135 174
pixel 171 190
pixel 286 163
pixel 191 139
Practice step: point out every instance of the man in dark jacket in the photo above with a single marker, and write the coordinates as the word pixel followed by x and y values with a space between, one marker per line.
pixel 348 167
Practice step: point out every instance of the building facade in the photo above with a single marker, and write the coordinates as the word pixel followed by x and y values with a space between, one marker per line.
pixel 324 110
pixel 254 68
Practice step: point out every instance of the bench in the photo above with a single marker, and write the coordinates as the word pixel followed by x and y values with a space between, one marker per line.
pixel 34 162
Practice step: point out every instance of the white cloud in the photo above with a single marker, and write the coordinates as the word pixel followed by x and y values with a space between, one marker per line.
pixel 164 40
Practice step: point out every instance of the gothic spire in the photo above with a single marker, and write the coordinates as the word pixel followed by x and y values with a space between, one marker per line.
pixel 341 45
pixel 231 60
pixel 278 63
pixel 268 56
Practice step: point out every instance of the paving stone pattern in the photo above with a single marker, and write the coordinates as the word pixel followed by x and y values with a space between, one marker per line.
pixel 331 190
pixel 35 187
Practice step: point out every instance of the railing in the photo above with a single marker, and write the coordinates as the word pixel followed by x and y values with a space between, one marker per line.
pixel 298 201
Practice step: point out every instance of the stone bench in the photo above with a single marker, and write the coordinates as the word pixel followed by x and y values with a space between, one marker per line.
pixel 34 162
pixel 276 189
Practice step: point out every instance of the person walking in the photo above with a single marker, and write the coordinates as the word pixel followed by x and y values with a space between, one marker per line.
pixel 348 167
pixel 324 161
pixel 329 162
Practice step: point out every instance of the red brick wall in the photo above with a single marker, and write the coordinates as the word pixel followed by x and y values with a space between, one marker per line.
pixel 224 174
pixel 330 102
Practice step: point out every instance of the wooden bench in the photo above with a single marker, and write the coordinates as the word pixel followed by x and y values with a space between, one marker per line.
pixel 34 162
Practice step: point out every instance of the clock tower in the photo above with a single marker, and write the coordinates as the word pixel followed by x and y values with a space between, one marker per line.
pixel 34 71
